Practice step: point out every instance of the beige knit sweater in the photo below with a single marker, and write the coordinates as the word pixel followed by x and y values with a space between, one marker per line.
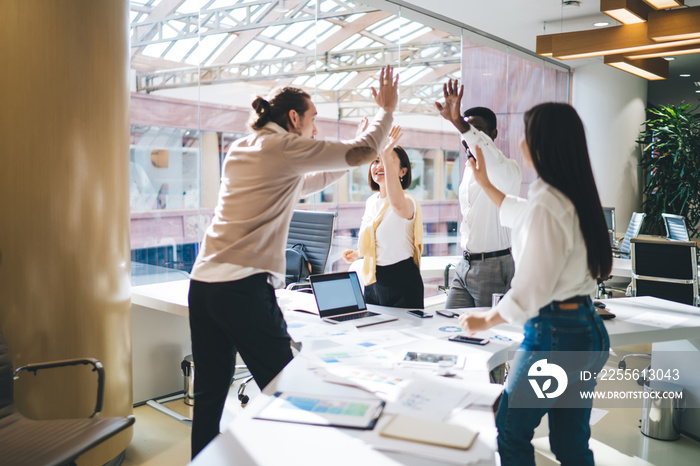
pixel 264 175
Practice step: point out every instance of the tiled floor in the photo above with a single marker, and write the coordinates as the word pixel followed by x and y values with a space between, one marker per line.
pixel 160 440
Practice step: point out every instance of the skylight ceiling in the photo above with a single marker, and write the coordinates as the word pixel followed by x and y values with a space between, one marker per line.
pixel 334 48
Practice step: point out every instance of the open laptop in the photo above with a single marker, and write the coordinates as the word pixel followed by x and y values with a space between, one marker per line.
pixel 339 299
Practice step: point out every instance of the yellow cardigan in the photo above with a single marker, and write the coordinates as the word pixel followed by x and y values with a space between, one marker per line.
pixel 367 241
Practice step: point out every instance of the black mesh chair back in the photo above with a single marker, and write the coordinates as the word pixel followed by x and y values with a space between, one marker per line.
pixel 675 227
pixel 633 230
pixel 665 269
pixel 315 231
pixel 609 213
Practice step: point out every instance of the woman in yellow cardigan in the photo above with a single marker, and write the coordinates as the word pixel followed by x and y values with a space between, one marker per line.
pixel 391 235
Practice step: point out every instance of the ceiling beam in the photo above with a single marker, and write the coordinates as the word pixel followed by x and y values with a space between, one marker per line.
pixel 606 41
pixel 663 4
pixel 674 24
pixel 350 29
pixel 162 10
pixel 360 60
pixel 665 52
pixel 626 11
pixel 219 20
pixel 652 69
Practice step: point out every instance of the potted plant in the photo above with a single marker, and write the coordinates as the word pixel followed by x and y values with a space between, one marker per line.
pixel 671 160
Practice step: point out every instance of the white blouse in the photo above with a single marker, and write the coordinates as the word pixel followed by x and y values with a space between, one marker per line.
pixel 551 262
pixel 394 234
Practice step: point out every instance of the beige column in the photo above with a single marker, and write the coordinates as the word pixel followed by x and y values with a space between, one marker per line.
pixel 64 204
pixel 439 174
pixel 211 173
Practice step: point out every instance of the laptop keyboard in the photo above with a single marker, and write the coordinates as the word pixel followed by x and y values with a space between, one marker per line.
pixel 354 316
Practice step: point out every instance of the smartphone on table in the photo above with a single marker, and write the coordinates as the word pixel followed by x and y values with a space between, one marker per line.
pixel 471 340
pixel 419 313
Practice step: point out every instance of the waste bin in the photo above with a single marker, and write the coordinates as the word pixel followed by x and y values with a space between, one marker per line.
pixel 661 410
pixel 188 371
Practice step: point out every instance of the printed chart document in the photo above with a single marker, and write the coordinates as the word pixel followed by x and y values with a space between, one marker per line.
pixel 354 413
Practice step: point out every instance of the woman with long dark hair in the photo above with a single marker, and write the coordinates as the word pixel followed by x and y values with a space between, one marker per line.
pixel 391 234
pixel 232 298
pixel 560 247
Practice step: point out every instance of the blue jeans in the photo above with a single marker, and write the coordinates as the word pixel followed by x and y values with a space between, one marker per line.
pixel 568 334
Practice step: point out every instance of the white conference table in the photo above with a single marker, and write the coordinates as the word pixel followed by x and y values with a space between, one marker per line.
pixel 170 297
pixel 434 266
pixel 249 439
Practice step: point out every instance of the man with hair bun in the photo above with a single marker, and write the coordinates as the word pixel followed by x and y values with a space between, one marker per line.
pixel 241 261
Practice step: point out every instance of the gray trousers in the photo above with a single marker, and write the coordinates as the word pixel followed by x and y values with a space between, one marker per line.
pixel 475 282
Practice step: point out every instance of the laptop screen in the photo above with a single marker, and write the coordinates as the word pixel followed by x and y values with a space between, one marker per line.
pixel 337 293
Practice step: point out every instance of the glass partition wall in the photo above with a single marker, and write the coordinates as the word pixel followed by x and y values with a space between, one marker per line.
pixel 198 64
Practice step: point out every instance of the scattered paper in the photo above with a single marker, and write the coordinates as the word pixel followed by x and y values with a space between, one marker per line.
pixel 656 319
pixel 352 355
pixel 481 394
pixel 427 398
pixel 597 415
pixel 384 385
pixel 304 331
pixel 376 339
pixel 294 300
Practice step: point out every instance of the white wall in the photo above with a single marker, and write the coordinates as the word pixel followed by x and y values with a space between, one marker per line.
pixel 612 105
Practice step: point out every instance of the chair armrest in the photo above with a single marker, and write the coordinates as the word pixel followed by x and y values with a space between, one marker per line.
pixel 447 275
pixel 304 287
pixel 96 367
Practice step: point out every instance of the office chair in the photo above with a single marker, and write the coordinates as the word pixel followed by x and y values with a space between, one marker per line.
pixel 624 250
pixel 57 442
pixel 675 227
pixel 664 269
pixel 315 231
pixel 609 213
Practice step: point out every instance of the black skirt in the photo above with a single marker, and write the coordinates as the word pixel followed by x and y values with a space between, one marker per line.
pixel 397 285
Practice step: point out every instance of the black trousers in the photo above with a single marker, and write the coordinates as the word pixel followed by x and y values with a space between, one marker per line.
pixel 397 285
pixel 224 317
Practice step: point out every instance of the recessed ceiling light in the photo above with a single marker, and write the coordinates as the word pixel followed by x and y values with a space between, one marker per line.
pixel 684 75
pixel 601 24
pixel 669 58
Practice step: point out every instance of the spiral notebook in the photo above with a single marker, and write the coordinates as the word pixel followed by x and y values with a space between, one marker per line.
pixel 431 432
